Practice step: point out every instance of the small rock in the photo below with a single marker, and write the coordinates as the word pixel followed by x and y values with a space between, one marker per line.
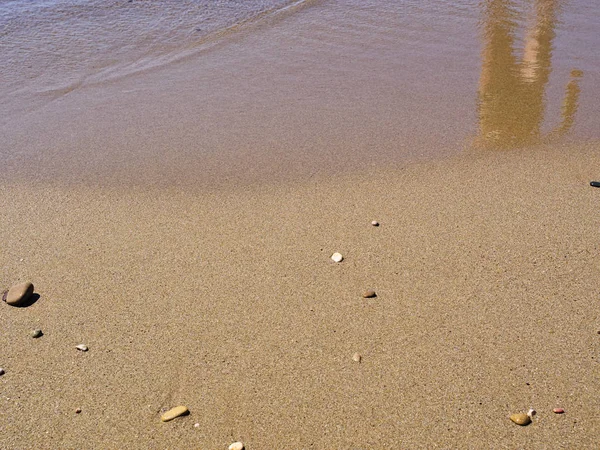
pixel 236 446
pixel 369 294
pixel 375 223
pixel 595 183
pixel 2 371
pixel 558 411
pixel 174 412
pixel 337 257
pixel 356 357
pixel 36 333
pixel 78 411
pixel 19 294
pixel 82 347
pixel 196 425
pixel 521 419
pixel 532 412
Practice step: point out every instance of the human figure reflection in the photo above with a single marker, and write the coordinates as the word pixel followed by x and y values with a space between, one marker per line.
pixel 511 90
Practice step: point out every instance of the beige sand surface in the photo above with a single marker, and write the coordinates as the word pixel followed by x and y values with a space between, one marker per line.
pixel 486 268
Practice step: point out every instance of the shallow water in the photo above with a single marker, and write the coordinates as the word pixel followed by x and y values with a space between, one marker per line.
pixel 200 92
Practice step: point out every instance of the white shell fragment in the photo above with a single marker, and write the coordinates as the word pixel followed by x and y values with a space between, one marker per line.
pixel 337 257
pixel 532 412
pixel 82 347
pixel 236 446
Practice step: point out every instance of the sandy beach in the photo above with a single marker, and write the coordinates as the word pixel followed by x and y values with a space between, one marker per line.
pixel 228 303
pixel 179 221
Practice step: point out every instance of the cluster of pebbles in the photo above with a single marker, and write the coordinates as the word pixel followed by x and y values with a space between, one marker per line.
pixel 21 295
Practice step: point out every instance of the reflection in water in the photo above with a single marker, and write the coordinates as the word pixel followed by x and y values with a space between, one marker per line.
pixel 511 90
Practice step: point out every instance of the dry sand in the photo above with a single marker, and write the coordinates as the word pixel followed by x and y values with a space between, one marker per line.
pixel 485 265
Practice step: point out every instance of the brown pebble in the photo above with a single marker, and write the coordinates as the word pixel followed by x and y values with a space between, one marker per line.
pixel 369 294
pixel 175 412
pixel 356 357
pixel 558 411
pixel 521 419
pixel 19 294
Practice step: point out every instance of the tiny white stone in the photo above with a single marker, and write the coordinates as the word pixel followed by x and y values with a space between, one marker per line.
pixel 236 446
pixel 82 347
pixel 1 371
pixel 375 223
pixel 196 425
pixel 532 412
pixel 337 257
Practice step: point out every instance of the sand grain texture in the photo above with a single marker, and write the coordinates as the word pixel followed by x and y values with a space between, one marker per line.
pixel 487 280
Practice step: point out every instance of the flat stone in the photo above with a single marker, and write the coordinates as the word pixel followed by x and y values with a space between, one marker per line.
pixel 375 223
pixel 558 411
pixel 36 333
pixel 19 294
pixel 521 419
pixel 174 412
pixel 82 347
pixel 369 294
pixel 236 446
pixel 356 357
pixel 337 257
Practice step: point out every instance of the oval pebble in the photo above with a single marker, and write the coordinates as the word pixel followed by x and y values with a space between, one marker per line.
pixel 375 223
pixel 337 257
pixel 558 411
pixel 532 412
pixel 82 347
pixel 174 412
pixel 369 294
pixel 19 294
pixel 2 371
pixel 521 419
pixel 356 357
pixel 36 333
pixel 236 446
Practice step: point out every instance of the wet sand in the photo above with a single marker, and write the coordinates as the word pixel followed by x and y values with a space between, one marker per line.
pixel 227 302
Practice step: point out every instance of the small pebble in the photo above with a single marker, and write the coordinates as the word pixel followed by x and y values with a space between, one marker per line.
pixel 78 411
pixel 174 412
pixel 36 333
pixel 558 411
pixel 82 347
pixel 19 294
pixel 375 223
pixel 236 446
pixel 337 257
pixel 595 183
pixel 1 371
pixel 532 412
pixel 196 425
pixel 356 357
pixel 369 294
pixel 521 419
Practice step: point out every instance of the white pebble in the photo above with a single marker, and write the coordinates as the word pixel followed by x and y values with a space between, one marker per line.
pixel 375 223
pixel 337 257
pixel 532 412
pixel 196 425
pixel 236 446
pixel 82 347
pixel 2 371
